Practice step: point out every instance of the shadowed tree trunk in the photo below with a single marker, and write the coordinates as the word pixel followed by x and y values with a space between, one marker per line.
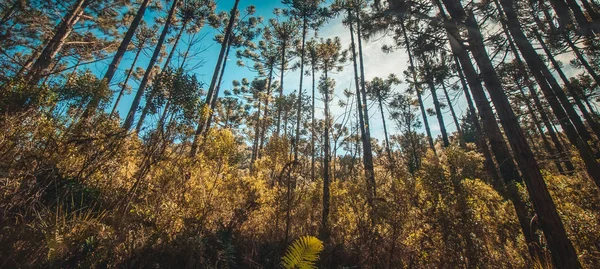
pixel 563 252
pixel 540 71
pixel 54 46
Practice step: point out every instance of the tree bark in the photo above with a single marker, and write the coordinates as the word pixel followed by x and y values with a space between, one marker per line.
pixel 436 104
pixel 299 108
pixel 577 137
pixel 203 121
pixel 563 252
pixel 54 46
pixel 122 91
pixel 142 87
pixel 417 88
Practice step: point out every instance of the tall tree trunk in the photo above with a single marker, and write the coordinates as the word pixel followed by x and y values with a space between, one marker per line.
pixel 122 91
pixel 582 60
pixel 363 115
pixel 312 126
pixel 461 139
pixel 213 104
pixel 385 132
pixel 299 108
pixel 417 87
pixel 572 91
pixel 142 87
pixel 480 137
pixel 266 111
pixel 503 157
pixel 112 67
pixel 563 252
pixel 62 32
pixel 533 94
pixel 535 63
pixel 212 93
pixel 436 104
pixel 146 109
pixel 280 97
pixel 256 135
pixel 325 221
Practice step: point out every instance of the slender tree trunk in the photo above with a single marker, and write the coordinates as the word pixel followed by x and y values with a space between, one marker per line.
pixel 114 65
pixel 385 132
pixel 417 88
pixel 582 60
pixel 54 46
pixel 438 109
pixel 213 104
pixel 325 221
pixel 572 91
pixel 363 115
pixel 266 111
pixel 461 139
pixel 312 137
pixel 122 91
pixel 299 108
pixel 142 87
pixel 535 63
pixel 212 94
pixel 278 124
pixel 146 109
pixel 481 141
pixel 256 135
pixel 563 252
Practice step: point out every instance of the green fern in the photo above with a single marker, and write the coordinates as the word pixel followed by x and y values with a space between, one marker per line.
pixel 303 253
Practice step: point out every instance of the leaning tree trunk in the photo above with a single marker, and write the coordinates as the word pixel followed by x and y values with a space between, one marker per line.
pixel 122 91
pixel 480 137
pixel 112 67
pixel 326 196
pixel 436 104
pixel 535 63
pixel 142 87
pixel 563 252
pixel 146 109
pixel 54 46
pixel 461 139
pixel 503 157
pixel 278 124
pixel 417 88
pixel 385 132
pixel 212 94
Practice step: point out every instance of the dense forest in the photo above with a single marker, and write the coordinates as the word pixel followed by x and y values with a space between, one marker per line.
pixel 299 134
